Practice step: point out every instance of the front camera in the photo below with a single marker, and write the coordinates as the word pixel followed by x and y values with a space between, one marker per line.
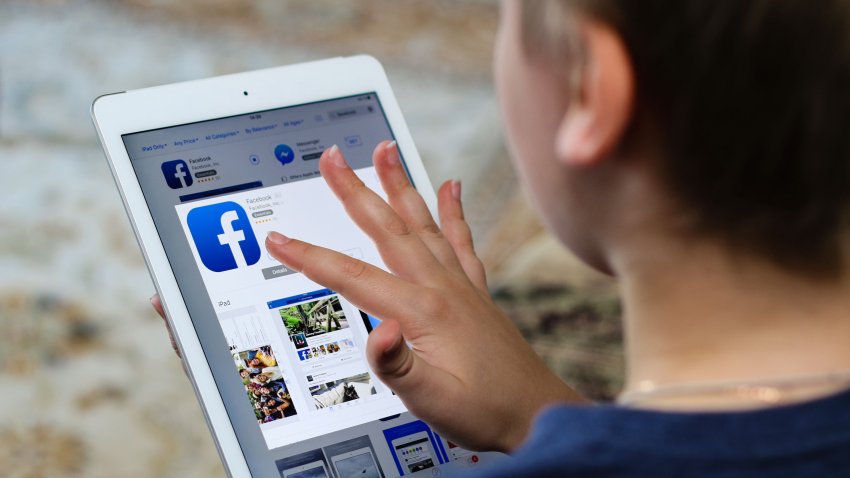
pixel 245 93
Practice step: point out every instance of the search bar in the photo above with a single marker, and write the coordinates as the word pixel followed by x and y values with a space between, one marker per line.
pixel 349 112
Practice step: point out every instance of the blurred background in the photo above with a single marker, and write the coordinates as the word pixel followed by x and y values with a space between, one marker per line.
pixel 89 385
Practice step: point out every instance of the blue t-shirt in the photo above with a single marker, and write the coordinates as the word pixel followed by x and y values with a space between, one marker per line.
pixel 810 439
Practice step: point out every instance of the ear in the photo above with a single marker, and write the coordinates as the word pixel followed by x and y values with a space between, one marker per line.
pixel 598 116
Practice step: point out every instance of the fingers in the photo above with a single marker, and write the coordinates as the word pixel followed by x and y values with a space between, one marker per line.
pixel 458 234
pixel 402 250
pixel 157 306
pixel 364 285
pixel 400 368
pixel 156 303
pixel 409 205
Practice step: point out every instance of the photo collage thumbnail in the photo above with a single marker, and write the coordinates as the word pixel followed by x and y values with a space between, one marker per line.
pixel 310 326
pixel 332 393
pixel 322 350
pixel 264 384
pixel 318 327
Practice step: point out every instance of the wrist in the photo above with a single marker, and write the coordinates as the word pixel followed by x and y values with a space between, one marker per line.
pixel 553 392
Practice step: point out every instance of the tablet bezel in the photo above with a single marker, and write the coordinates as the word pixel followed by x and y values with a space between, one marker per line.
pixel 177 104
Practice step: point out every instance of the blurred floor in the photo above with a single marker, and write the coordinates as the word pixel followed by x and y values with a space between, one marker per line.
pixel 88 383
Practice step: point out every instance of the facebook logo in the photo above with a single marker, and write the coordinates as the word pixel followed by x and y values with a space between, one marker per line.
pixel 177 174
pixel 223 236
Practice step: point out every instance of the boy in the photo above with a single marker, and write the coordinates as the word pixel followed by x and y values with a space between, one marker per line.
pixel 696 151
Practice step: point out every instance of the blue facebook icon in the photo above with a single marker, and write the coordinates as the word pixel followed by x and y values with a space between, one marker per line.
pixel 223 236
pixel 177 174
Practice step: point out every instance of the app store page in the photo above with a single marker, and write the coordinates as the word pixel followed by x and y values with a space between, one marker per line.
pixel 287 354
pixel 312 339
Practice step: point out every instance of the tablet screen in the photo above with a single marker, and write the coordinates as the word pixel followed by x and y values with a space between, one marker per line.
pixel 287 355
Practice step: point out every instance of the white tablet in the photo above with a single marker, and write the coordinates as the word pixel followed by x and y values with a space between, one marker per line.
pixel 205 169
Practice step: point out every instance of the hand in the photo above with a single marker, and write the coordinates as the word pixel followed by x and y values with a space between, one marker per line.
pixel 467 371
pixel 156 303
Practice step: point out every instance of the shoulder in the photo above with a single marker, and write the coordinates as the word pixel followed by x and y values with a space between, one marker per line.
pixel 788 441
pixel 564 441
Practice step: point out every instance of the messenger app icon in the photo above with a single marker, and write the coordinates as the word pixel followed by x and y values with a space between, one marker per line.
pixel 284 154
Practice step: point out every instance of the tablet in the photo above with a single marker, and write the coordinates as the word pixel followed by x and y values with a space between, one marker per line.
pixel 205 170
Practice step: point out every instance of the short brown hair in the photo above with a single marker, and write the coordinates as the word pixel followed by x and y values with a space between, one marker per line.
pixel 753 100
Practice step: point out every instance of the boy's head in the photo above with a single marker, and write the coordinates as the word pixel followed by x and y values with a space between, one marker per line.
pixel 721 119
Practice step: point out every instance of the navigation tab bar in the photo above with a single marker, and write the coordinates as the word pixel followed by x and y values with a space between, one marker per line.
pixel 316 294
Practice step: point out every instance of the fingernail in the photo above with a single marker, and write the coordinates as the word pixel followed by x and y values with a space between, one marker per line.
pixel 277 238
pixel 392 152
pixel 152 298
pixel 456 189
pixel 336 157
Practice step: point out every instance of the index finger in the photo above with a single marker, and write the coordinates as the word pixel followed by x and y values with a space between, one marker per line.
pixel 362 284
pixel 407 202
pixel 401 249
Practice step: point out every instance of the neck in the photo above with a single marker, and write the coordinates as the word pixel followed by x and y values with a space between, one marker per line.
pixel 697 314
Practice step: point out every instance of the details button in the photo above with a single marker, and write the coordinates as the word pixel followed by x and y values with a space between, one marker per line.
pixel 277 271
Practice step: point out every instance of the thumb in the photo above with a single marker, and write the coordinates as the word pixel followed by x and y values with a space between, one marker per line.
pixel 411 377
pixel 401 369
pixel 157 306
pixel 388 354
